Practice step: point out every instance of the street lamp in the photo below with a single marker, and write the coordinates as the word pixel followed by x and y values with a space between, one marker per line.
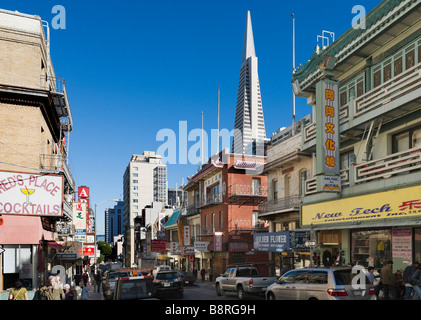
pixel 97 204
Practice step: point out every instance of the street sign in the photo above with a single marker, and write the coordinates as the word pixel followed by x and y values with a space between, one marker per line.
pixel 311 243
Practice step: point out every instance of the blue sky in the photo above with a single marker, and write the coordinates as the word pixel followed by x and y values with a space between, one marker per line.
pixel 133 68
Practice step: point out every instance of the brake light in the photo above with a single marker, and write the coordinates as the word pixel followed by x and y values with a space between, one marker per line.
pixel 251 283
pixel 371 291
pixel 337 292
pixel 155 280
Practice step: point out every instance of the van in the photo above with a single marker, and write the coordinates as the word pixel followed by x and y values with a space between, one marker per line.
pixel 321 284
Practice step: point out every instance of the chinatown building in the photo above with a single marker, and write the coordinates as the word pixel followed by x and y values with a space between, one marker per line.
pixel 362 200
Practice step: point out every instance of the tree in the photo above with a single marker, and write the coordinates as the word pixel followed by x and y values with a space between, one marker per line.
pixel 105 249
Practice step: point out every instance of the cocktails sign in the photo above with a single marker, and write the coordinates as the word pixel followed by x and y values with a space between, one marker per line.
pixel 31 194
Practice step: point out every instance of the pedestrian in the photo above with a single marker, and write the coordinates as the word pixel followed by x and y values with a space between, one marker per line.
pixel 77 292
pixel 202 274
pixel 370 274
pixel 84 291
pixel 85 278
pixel 51 292
pixel 98 280
pixel 416 278
pixel 399 284
pixel 58 284
pixel 407 274
pixel 388 281
pixel 68 294
pixel 18 292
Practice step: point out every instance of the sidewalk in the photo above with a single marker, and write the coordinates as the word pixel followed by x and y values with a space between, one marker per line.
pixel 93 295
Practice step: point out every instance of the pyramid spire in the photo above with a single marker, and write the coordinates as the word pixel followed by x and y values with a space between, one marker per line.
pixel 248 44
pixel 249 125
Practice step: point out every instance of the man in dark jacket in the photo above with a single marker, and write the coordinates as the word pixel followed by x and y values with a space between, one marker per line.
pixel 388 281
pixel 407 274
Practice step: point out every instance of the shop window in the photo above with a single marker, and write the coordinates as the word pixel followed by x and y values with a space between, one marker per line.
pixel 371 248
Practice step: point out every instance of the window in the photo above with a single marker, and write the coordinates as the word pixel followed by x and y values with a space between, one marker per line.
pixel 351 89
pixel 301 276
pixel 317 277
pixel 406 140
pixel 256 186
pixel 275 189
pixel 135 175
pixel 346 159
pixel 287 277
pixel 135 201
pixel 135 181
pixel 221 220
pixel 135 194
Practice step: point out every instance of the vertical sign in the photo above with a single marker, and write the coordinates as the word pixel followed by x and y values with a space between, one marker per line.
pixel 327 134
pixel 217 241
pixel 79 221
pixel 187 236
pixel 83 194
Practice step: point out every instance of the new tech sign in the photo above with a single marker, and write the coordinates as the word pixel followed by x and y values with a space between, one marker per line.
pixel 384 205
pixel 31 194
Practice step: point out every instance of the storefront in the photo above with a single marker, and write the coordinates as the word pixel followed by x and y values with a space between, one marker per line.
pixel 367 230
pixel 288 248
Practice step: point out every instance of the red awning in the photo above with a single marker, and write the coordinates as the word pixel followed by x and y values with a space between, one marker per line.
pixel 53 245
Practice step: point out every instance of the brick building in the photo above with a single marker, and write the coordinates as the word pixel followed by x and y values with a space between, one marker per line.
pixel 229 188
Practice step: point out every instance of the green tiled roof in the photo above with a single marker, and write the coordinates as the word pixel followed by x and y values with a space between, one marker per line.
pixel 349 36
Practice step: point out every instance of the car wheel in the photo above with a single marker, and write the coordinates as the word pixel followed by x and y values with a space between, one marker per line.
pixel 219 290
pixel 270 296
pixel 241 293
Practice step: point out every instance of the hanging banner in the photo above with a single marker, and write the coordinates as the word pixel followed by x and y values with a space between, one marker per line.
pixel 31 194
pixel 79 221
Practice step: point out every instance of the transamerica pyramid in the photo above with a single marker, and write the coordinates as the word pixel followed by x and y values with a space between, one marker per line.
pixel 249 125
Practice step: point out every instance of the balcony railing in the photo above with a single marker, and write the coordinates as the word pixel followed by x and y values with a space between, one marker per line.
pixel 397 163
pixel 211 199
pixel 397 87
pixel 247 190
pixel 280 204
pixel 56 163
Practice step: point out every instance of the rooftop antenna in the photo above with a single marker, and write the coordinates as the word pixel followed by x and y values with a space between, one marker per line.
pixel 293 70
pixel 217 141
pixel 202 139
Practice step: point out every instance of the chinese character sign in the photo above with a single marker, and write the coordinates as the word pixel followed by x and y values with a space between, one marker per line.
pixel 79 221
pixel 327 124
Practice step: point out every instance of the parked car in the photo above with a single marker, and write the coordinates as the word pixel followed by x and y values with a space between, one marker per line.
pixel 243 280
pixel 188 277
pixel 134 288
pixel 109 281
pixel 319 284
pixel 168 283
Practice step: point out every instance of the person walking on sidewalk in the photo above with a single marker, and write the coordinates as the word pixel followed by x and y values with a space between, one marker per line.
pixel 98 281
pixel 202 274
pixel 388 281
pixel 18 292
pixel 51 292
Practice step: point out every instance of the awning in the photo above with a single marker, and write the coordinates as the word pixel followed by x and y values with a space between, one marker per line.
pixel 53 245
pixel 247 164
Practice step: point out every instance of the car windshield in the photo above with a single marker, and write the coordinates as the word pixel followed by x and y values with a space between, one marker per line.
pixel 132 290
pixel 167 276
pixel 344 277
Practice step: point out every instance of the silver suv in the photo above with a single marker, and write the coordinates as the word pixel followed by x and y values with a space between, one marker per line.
pixel 321 284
